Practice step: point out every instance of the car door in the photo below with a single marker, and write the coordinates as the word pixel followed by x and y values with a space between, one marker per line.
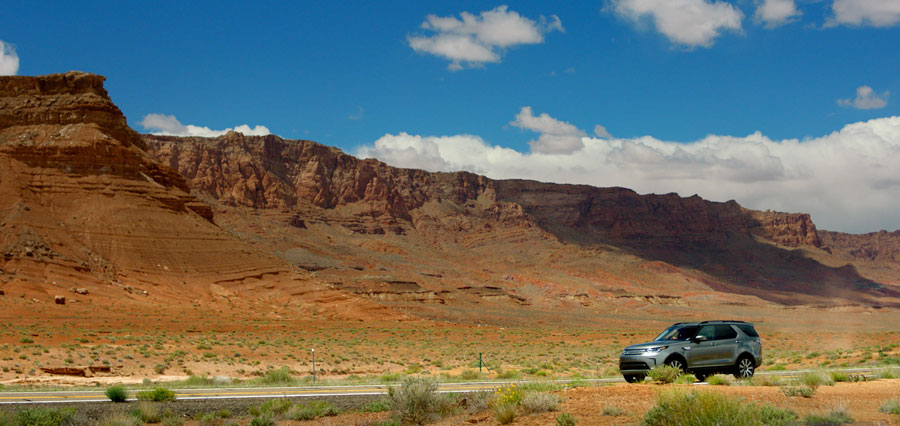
pixel 703 354
pixel 726 345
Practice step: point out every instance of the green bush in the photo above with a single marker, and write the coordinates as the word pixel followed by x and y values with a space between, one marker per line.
pixel 508 375
pixel 834 417
pixel 157 394
pixel 664 374
pixel 840 376
pixel 470 375
pixel 118 419
pixel 116 394
pixel 377 406
pixel 312 411
pixel 815 379
pixel 146 412
pixel 277 377
pixel 40 416
pixel 565 419
pixel 718 380
pixel 277 407
pixel 891 406
pixel 679 408
pixel 686 379
pixel 504 413
pixel 539 402
pixel 416 401
pixel 263 419
pixel 804 391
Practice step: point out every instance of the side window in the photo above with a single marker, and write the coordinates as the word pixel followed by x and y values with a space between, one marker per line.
pixel 748 330
pixel 709 331
pixel 725 332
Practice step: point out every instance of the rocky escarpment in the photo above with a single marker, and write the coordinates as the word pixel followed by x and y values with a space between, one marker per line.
pixel 738 249
pixel 271 172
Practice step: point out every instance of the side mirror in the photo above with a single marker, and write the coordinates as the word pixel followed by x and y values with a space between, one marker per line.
pixel 698 339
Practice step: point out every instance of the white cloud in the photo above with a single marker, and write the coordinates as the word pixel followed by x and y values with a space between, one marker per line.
pixel 775 13
pixel 161 124
pixel 690 23
pixel 866 98
pixel 9 60
pixel 601 132
pixel 847 180
pixel 876 13
pixel 477 39
pixel 556 137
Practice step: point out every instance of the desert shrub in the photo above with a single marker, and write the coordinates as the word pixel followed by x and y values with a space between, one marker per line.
pixel 565 419
pixel 116 393
pixel 377 406
pixel 718 380
pixel 199 381
pixel 510 394
pixel 146 412
pixel 815 379
pixel 172 421
pixel 390 377
pixel 766 381
pixel 541 387
pixel 276 407
pixel 118 419
pixel 677 407
pixel 263 419
pixel 477 401
pixel 40 416
pixel 386 423
pixel 686 379
pixel 889 373
pixel 539 402
pixel 157 394
pixel 834 417
pixel 277 377
pixel 504 413
pixel 612 411
pixel 664 374
pixel 776 367
pixel 312 411
pixel 470 375
pixel 804 391
pixel 508 374
pixel 840 376
pixel 416 401
pixel 891 406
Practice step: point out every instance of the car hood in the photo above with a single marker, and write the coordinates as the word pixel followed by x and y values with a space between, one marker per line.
pixel 652 345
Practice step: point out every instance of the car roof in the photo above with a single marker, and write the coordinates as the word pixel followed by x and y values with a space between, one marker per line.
pixel 714 322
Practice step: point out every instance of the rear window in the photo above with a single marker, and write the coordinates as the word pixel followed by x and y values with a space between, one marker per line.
pixel 748 330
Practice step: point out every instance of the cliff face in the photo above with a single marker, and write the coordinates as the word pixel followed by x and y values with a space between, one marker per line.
pixel 83 205
pixel 270 172
pixel 737 249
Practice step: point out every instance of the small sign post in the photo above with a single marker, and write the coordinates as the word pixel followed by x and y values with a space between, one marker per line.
pixel 313 350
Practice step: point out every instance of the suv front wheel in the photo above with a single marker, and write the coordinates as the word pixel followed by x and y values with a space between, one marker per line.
pixel 744 368
pixel 637 378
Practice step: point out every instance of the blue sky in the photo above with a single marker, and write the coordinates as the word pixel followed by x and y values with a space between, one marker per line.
pixel 656 74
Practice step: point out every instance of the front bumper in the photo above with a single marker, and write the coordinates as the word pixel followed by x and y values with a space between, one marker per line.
pixel 636 364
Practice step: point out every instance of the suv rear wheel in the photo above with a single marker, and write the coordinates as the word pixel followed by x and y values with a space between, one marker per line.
pixel 744 368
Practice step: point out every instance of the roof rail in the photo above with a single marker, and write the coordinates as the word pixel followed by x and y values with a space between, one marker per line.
pixel 704 322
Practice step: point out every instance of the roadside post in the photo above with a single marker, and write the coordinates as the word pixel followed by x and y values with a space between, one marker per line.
pixel 313 350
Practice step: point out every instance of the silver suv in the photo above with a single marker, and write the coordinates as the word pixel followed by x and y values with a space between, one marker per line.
pixel 701 348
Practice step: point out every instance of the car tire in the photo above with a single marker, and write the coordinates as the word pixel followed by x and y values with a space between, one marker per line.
pixel 634 378
pixel 677 363
pixel 744 367
pixel 701 377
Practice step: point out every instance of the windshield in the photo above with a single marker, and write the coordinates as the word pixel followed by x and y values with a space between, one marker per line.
pixel 677 332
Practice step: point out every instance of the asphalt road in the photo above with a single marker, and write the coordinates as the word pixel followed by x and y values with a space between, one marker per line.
pixel 312 391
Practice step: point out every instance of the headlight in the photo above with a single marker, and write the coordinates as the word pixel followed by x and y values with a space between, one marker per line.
pixel 654 351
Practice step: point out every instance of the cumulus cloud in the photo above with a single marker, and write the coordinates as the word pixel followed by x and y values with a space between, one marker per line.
pixel 161 124
pixel 477 39
pixel 556 137
pixel 9 60
pixel 775 13
pixel 876 13
pixel 690 23
pixel 847 180
pixel 866 98
pixel 601 132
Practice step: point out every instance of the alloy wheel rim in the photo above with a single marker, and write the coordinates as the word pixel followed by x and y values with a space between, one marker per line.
pixel 746 368
pixel 677 364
